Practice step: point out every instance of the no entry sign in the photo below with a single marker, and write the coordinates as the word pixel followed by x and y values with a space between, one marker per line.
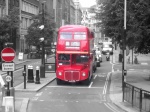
pixel 8 54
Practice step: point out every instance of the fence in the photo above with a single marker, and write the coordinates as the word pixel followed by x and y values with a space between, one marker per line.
pixel 137 97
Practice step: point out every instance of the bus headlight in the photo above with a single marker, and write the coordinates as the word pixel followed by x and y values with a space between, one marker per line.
pixel 59 73
pixel 83 74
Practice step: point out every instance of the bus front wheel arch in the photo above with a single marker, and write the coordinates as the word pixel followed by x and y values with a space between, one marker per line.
pixel 88 80
pixel 59 82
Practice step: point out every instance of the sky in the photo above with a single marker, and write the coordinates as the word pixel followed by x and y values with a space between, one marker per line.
pixel 87 3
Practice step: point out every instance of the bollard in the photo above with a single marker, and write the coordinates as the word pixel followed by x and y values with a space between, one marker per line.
pixel 37 79
pixel 30 74
pixel 24 74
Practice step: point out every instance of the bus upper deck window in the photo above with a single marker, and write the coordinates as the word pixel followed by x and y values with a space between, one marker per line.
pixel 66 35
pixel 80 35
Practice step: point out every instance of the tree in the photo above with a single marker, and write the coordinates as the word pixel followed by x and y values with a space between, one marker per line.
pixel 138 22
pixel 34 33
pixel 7 24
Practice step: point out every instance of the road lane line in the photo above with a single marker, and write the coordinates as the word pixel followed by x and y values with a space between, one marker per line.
pixel 75 87
pixel 106 83
pixel 90 84
pixel 95 76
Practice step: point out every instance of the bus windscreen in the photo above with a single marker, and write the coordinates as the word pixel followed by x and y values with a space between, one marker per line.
pixel 82 58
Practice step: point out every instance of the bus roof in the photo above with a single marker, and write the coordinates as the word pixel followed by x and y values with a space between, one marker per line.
pixel 74 27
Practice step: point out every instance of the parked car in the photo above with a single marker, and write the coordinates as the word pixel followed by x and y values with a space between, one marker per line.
pixel 94 63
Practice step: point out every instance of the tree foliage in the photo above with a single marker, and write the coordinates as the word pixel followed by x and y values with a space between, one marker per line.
pixel 111 14
pixel 7 23
pixel 34 32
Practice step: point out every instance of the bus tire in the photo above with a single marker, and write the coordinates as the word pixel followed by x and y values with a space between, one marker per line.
pixel 94 69
pixel 58 81
pixel 98 64
pixel 88 80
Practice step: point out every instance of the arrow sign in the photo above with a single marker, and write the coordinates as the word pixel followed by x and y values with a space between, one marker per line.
pixel 8 54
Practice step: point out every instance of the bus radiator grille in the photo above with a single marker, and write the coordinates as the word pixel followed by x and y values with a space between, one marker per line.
pixel 72 75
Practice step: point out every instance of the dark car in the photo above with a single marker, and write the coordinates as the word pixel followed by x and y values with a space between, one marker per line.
pixel 94 62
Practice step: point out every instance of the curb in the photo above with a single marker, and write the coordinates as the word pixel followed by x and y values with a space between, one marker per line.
pixel 33 90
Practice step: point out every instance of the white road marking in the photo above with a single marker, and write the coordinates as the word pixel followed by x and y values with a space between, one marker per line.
pixel 131 69
pixel 106 83
pixel 101 76
pixel 35 98
pixel 144 63
pixel 74 87
pixel 90 84
pixel 39 94
pixel 95 76
pixel 111 107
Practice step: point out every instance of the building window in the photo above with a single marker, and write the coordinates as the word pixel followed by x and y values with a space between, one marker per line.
pixel 30 8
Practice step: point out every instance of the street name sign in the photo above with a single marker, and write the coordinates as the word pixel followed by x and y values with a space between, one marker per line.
pixel 8 54
pixel 8 67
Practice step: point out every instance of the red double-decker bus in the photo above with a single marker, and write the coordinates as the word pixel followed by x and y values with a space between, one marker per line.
pixel 74 54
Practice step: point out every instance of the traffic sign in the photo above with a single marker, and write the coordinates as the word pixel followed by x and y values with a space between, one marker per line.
pixel 8 54
pixel 8 78
pixel 8 67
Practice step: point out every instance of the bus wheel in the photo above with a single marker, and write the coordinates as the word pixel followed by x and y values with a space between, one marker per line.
pixel 94 69
pixel 87 81
pixel 58 81
pixel 98 64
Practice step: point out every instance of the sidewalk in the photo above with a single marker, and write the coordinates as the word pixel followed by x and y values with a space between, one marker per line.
pixel 138 78
pixel 21 103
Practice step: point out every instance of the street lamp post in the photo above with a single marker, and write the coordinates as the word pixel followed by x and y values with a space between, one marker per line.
pixel 124 71
pixel 42 67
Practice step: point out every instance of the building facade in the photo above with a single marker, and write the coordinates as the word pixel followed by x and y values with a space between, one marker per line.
pixel 3 8
pixel 28 8
pixel 78 12
pixel 72 12
pixel 63 12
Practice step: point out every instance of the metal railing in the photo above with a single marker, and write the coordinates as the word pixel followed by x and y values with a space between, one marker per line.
pixel 137 97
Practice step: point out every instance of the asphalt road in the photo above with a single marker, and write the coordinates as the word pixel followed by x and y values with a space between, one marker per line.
pixel 76 97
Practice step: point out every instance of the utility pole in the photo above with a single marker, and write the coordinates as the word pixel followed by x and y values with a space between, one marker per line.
pixel 124 71
pixel 42 67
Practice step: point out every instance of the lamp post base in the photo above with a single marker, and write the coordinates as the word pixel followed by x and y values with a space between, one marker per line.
pixel 42 71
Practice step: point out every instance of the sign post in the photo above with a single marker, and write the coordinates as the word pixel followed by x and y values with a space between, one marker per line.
pixel 8 55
